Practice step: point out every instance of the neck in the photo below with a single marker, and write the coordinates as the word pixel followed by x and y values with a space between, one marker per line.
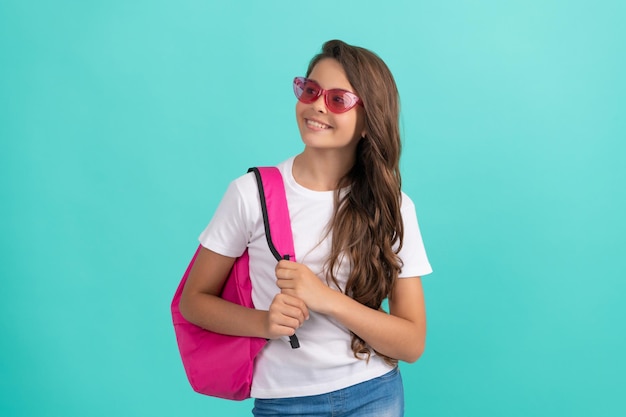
pixel 321 170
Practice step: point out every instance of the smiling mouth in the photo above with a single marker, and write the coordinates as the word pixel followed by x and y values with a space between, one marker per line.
pixel 316 125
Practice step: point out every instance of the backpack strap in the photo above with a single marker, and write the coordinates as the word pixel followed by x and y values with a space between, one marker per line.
pixel 275 212
pixel 276 218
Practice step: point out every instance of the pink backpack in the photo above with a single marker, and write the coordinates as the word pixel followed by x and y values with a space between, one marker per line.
pixel 220 365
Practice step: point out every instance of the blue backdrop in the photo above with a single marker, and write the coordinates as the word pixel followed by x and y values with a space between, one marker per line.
pixel 122 122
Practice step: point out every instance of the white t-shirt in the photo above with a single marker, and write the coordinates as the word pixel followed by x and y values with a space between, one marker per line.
pixel 324 362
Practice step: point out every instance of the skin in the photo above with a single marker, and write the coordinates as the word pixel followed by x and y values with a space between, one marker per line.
pixel 328 154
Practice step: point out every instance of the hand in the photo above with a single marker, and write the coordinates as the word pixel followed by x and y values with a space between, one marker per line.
pixel 299 281
pixel 285 315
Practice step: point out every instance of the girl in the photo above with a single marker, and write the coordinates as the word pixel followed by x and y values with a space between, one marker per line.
pixel 357 243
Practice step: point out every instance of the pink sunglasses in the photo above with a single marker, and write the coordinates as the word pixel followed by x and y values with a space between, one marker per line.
pixel 336 99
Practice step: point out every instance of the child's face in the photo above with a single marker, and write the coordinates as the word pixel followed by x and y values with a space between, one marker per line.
pixel 321 128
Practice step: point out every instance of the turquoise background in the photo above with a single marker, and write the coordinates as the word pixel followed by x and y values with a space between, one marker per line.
pixel 122 122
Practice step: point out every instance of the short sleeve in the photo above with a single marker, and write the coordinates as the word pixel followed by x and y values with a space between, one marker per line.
pixel 413 254
pixel 228 232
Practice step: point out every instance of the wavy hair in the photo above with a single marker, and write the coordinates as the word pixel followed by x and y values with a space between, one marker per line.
pixel 367 228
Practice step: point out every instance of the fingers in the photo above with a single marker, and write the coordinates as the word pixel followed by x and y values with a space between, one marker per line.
pixel 285 284
pixel 284 269
pixel 286 273
pixel 286 314
pixel 292 307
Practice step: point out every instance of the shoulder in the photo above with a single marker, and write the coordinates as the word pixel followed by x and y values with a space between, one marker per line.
pixel 243 184
pixel 406 202
pixel 245 188
pixel 244 181
pixel 240 197
pixel 247 180
pixel 285 168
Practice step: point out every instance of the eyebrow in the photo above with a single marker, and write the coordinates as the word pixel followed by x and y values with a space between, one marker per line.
pixel 328 89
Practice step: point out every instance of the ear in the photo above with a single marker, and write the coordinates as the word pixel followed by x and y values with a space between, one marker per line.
pixel 363 134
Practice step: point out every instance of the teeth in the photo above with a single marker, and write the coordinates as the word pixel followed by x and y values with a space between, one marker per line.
pixel 317 125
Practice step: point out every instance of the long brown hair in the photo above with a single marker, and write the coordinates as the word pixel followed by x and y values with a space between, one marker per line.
pixel 367 226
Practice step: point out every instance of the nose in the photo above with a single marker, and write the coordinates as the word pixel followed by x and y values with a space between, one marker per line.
pixel 320 104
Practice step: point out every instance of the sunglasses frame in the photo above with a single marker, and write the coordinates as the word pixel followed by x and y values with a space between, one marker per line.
pixel 300 82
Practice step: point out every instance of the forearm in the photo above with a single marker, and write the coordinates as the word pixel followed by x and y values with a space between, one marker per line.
pixel 390 335
pixel 400 335
pixel 218 315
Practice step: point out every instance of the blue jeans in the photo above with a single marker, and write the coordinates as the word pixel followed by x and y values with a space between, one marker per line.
pixel 379 397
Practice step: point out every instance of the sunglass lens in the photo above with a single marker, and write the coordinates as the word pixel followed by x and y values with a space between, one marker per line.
pixel 340 101
pixel 297 87
pixel 307 90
